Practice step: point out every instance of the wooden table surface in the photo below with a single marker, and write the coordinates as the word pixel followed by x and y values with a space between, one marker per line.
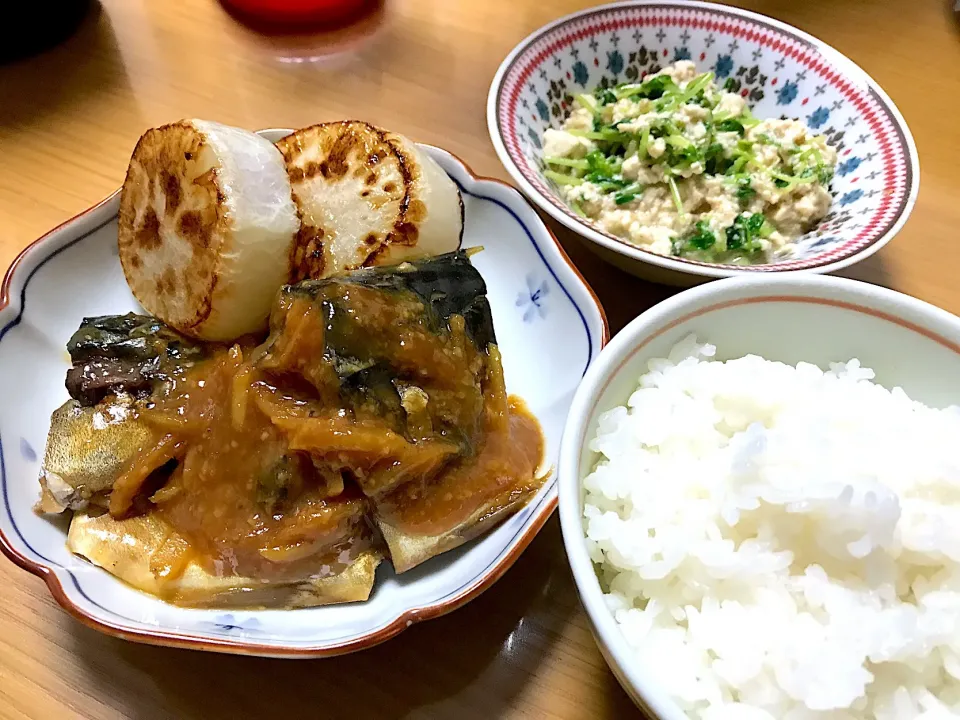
pixel 68 122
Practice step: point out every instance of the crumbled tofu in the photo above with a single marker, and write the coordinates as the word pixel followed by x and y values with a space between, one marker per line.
pixel 696 131
pixel 657 147
pixel 627 109
pixel 681 71
pixel 730 104
pixel 557 143
pixel 580 119
pixel 688 114
pixel 777 151
pixel 634 169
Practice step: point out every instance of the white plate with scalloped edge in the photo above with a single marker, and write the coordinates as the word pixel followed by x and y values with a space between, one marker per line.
pixel 550 327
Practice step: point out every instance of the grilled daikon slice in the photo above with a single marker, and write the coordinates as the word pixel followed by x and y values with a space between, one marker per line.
pixel 366 197
pixel 207 225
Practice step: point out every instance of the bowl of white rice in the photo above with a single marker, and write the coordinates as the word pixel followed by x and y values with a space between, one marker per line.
pixel 760 501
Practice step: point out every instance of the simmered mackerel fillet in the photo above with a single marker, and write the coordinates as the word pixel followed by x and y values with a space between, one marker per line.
pixel 409 353
pixel 131 353
pixel 404 349
pixel 89 448
pixel 206 227
pixel 366 196
pixel 375 411
pixel 119 361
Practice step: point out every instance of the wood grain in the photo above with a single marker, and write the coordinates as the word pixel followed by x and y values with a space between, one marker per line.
pixel 68 122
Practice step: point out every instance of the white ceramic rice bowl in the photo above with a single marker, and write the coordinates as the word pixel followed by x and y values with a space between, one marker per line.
pixel 818 319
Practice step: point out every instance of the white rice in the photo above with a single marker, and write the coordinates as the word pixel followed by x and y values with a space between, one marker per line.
pixel 781 543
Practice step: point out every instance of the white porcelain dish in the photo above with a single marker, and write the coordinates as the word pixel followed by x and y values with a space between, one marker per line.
pixel 780 70
pixel 787 318
pixel 549 325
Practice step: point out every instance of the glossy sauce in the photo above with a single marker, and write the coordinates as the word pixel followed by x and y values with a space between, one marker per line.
pixel 219 497
pixel 503 471
pixel 284 458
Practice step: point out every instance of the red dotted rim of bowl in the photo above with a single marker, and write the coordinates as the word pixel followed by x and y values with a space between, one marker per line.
pixel 898 173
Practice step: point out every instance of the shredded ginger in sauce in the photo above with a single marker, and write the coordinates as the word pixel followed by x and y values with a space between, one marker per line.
pixel 360 412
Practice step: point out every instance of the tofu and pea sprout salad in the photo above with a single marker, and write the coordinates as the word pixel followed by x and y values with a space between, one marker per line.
pixel 679 166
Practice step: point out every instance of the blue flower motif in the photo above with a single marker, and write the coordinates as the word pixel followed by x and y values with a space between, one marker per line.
pixel 818 117
pixel 542 110
pixel 229 625
pixel 27 452
pixel 580 73
pixel 851 196
pixel 848 166
pixel 532 299
pixel 615 62
pixel 681 53
pixel 787 94
pixel 823 241
pixel 723 67
pixel 534 138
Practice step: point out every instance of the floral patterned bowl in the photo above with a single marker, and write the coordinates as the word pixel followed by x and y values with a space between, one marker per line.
pixel 782 72
pixel 549 324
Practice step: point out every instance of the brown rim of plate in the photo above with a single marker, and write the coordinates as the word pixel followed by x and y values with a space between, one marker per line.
pixel 165 638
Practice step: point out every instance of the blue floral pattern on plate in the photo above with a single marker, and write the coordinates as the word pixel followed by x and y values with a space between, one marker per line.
pixel 26 451
pixel 787 94
pixel 848 166
pixel 817 119
pixel 851 197
pixel 532 300
pixel 580 73
pixel 723 66
pixel 228 624
pixel 615 62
